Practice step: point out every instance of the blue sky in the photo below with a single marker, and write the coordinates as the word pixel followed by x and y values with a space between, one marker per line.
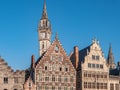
pixel 76 21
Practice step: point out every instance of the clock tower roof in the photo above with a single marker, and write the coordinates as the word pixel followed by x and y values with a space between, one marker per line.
pixel 44 13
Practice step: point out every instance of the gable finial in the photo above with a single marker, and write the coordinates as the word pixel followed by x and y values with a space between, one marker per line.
pixel 94 40
pixel 56 36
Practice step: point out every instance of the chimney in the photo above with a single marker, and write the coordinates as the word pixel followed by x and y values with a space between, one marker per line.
pixel 76 57
pixel 32 62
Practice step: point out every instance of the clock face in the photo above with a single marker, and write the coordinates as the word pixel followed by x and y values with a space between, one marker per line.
pixel 42 35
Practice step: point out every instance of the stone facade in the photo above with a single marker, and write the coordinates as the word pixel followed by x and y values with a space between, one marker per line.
pixel 93 71
pixel 10 80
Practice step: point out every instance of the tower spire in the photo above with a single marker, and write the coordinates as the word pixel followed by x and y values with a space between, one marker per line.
pixel 44 14
pixel 110 59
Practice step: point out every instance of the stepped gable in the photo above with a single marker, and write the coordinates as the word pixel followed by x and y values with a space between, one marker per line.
pixel 19 72
pixel 4 66
pixel 93 47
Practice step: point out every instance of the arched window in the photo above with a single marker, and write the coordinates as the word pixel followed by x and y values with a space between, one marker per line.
pixel 56 49
pixel 43 46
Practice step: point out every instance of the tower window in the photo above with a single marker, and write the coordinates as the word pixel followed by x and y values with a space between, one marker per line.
pixel 43 46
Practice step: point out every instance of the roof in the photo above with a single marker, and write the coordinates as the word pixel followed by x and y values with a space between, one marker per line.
pixel 40 58
pixel 83 52
pixel 115 72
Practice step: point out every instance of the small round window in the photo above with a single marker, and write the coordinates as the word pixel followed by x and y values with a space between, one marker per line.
pixel 56 49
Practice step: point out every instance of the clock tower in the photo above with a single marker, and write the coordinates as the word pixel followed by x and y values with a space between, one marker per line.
pixel 44 32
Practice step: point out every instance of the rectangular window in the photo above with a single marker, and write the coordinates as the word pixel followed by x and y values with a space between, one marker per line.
pixel 89 85
pixel 59 88
pixel 5 80
pixel 117 87
pixel 71 88
pixel 85 74
pixel 93 57
pixel 93 85
pixel 65 88
pixel 47 78
pixel 93 65
pixel 111 86
pixel 105 86
pixel 53 77
pixel 98 84
pixel 89 75
pixel 105 76
pixel 97 65
pixel 59 78
pixel 66 69
pixel 97 57
pixel 46 88
pixel 40 77
pixel 65 79
pixel 85 84
pixel 71 79
pixel 89 65
pixel 101 66
pixel 101 86
pixel 15 79
pixel 53 88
